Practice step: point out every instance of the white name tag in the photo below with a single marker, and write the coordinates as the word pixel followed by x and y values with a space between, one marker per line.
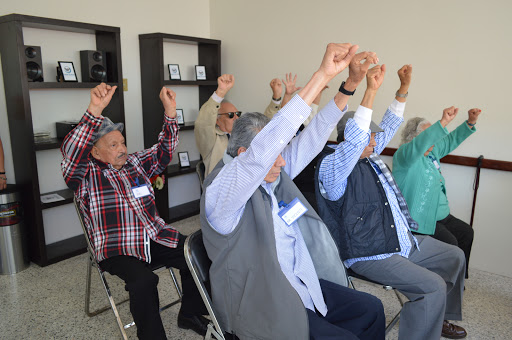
pixel 293 211
pixel 436 164
pixel 141 191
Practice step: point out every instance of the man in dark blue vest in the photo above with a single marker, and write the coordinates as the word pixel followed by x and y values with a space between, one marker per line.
pixel 367 215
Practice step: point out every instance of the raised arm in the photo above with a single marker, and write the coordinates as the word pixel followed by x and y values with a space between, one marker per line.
pixel 246 172
pixel 275 102
pixel 290 88
pixel 155 159
pixel 78 143
pixel 457 136
pixel 204 127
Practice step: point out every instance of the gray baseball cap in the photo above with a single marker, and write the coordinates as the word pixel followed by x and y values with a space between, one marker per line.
pixel 107 126
pixel 343 122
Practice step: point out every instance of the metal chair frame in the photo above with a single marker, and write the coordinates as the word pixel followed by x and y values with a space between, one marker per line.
pixel 351 275
pixel 197 260
pixel 93 262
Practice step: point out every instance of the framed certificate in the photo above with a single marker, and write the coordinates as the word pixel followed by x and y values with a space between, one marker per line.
pixel 68 71
pixel 180 117
pixel 184 161
pixel 200 72
pixel 174 72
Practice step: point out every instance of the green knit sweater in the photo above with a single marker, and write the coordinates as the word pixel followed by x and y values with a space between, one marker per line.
pixel 418 178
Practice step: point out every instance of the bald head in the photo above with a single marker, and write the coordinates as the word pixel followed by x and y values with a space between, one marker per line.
pixel 223 121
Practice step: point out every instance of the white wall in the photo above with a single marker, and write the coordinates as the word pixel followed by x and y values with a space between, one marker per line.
pixel 458 49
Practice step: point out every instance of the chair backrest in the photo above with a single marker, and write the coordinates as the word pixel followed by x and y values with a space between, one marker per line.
pixel 200 169
pixel 84 228
pixel 199 265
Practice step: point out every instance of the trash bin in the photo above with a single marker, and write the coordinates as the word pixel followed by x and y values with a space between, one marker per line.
pixel 13 237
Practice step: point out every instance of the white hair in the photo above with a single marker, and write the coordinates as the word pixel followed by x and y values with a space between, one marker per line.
pixel 413 128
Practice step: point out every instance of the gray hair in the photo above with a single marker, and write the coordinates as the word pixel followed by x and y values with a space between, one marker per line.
pixel 244 130
pixel 412 129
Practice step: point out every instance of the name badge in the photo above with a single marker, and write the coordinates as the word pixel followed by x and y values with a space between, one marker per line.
pixel 292 212
pixel 436 164
pixel 140 191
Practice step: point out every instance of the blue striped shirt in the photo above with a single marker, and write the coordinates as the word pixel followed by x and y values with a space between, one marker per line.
pixel 227 195
pixel 336 167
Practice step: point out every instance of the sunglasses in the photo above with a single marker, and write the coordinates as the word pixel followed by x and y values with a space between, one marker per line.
pixel 232 114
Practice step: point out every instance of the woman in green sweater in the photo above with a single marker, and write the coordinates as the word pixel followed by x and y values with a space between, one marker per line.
pixel 417 170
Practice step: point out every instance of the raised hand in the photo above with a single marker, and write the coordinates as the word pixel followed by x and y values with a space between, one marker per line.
pixel 357 70
pixel 375 77
pixel 336 58
pixel 224 83
pixel 277 88
pixel 100 98
pixel 289 83
pixel 168 98
pixel 473 115
pixel 405 75
pixel 448 115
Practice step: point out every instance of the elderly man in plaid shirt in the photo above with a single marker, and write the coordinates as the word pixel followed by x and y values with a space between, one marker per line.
pixel 118 205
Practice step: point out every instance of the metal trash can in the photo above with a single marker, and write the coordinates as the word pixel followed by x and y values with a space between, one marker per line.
pixel 13 235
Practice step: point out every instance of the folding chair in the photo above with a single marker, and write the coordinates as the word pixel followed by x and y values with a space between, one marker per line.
pixel 93 262
pixel 200 169
pixel 351 275
pixel 199 265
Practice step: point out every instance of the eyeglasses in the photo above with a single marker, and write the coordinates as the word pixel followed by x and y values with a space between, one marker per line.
pixel 232 114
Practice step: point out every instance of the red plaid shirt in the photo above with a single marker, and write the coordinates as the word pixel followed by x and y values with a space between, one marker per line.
pixel 117 222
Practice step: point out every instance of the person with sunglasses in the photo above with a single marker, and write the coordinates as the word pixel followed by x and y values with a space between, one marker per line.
pixel 213 126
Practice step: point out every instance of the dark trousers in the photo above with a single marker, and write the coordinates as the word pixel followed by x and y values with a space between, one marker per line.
pixel 451 230
pixel 350 315
pixel 141 284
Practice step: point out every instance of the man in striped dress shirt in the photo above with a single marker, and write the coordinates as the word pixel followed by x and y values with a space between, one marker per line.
pixel 365 211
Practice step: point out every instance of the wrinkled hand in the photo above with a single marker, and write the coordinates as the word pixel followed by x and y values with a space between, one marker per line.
pixel 168 98
pixel 405 75
pixel 448 115
pixel 289 83
pixel 277 88
pixel 224 83
pixel 375 77
pixel 357 70
pixel 336 58
pixel 473 115
pixel 100 98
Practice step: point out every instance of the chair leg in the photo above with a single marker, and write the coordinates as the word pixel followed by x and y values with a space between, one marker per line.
pixel 178 290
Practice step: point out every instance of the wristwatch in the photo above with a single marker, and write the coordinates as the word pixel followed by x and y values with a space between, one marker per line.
pixel 402 95
pixel 342 90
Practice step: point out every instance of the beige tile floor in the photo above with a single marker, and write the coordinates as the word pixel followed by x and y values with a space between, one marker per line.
pixel 48 303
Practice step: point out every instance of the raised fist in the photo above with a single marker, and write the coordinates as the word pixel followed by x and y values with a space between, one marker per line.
pixel 473 115
pixel 375 77
pixel 277 88
pixel 100 98
pixel 224 83
pixel 405 74
pixel 336 58
pixel 168 98
pixel 356 70
pixel 448 115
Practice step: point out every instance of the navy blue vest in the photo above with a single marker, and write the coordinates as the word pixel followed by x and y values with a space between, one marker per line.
pixel 361 221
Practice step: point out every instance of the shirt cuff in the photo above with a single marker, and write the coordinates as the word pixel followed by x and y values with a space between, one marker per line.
pixel 363 117
pixel 277 102
pixel 217 98
pixel 397 108
pixel 296 111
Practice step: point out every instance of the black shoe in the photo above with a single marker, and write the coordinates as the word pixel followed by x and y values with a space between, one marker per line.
pixel 197 323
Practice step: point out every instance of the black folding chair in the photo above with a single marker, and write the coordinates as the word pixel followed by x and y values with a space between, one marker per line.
pixel 353 275
pixel 93 262
pixel 199 265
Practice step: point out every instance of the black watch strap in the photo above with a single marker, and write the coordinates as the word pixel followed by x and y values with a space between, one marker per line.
pixel 342 90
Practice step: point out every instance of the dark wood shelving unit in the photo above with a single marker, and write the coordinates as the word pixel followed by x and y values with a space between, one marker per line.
pixel 152 79
pixel 19 114
pixel 67 194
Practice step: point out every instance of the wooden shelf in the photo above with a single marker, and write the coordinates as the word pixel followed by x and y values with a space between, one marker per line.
pixel 187 126
pixel 65 249
pixel 67 194
pixel 53 143
pixel 190 82
pixel 174 170
pixel 68 85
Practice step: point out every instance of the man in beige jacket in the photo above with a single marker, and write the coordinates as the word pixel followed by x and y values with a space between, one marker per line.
pixel 216 117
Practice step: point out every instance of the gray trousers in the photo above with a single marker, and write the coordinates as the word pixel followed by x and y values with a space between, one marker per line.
pixel 432 278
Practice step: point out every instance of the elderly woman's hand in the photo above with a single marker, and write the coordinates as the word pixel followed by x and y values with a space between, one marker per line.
pixel 448 115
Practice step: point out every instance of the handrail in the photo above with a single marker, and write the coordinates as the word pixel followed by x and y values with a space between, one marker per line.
pixel 465 161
